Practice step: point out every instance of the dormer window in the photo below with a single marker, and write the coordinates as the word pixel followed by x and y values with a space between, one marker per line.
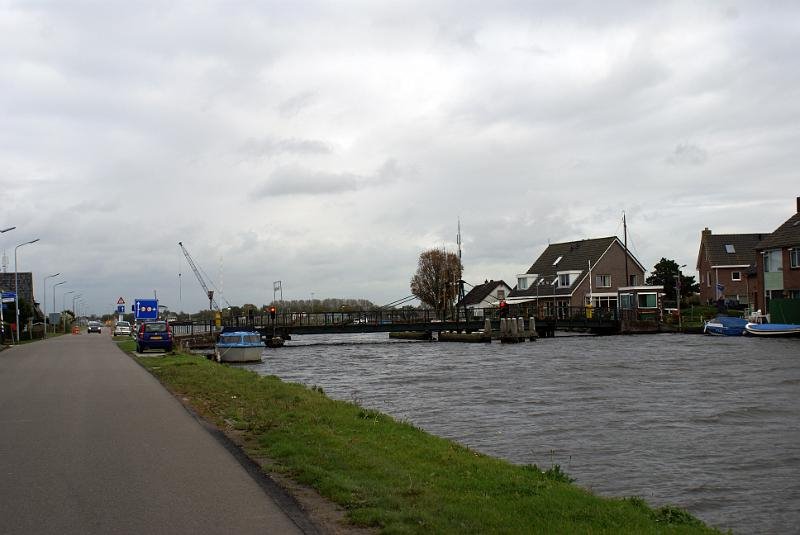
pixel 563 280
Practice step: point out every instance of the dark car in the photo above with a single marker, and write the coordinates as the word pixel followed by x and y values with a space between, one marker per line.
pixel 154 335
pixel 94 327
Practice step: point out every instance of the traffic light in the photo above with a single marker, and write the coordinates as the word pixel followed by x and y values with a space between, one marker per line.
pixel 272 312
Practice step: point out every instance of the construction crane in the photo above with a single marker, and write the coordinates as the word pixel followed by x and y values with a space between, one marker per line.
pixel 212 303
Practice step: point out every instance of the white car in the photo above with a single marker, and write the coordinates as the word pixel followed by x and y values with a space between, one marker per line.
pixel 122 328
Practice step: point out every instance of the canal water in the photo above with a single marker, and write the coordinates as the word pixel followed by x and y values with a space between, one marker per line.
pixel 708 424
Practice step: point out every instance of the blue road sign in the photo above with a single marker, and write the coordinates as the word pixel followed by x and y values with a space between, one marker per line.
pixel 120 309
pixel 145 309
pixel 9 295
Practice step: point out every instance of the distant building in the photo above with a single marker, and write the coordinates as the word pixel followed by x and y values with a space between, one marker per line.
pixel 726 267
pixel 486 295
pixel 560 279
pixel 25 283
pixel 778 263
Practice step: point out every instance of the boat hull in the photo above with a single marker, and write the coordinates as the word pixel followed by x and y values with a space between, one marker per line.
pixel 725 326
pixel 773 330
pixel 239 354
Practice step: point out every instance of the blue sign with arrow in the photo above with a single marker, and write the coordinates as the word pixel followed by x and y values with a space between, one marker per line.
pixel 145 309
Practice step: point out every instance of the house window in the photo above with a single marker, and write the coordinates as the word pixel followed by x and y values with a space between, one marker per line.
pixel 563 280
pixel 603 281
pixel 634 280
pixel 730 249
pixel 708 279
pixel 522 283
pixel 793 294
pixel 501 294
pixel 648 300
pixel 772 261
pixel 626 301
pixel 557 260
pixel 794 257
pixel 736 276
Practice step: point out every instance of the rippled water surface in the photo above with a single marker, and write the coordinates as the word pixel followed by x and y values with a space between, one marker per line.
pixel 708 424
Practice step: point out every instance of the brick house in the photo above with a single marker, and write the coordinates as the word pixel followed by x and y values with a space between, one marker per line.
pixel 778 262
pixel 486 295
pixel 726 267
pixel 25 282
pixel 560 277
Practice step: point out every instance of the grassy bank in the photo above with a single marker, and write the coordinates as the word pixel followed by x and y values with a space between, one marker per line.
pixel 391 475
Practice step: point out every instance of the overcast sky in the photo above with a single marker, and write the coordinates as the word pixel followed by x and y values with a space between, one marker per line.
pixel 327 144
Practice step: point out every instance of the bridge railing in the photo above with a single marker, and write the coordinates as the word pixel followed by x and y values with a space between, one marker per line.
pixel 416 317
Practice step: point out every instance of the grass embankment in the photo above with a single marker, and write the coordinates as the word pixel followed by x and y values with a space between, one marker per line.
pixel 391 475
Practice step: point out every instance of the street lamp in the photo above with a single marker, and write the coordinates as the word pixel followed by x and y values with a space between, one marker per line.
pixel 2 320
pixel 74 297
pixel 54 297
pixel 16 282
pixel 44 299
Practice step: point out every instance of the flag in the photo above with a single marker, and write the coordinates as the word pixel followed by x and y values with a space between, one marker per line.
pixel 720 287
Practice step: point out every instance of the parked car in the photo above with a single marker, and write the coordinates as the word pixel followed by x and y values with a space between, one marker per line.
pixel 94 327
pixel 122 328
pixel 154 335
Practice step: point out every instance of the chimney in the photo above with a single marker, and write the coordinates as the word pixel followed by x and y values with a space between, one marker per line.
pixel 707 233
pixel 798 205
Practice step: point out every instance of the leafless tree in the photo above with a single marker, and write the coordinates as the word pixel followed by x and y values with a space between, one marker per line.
pixel 436 281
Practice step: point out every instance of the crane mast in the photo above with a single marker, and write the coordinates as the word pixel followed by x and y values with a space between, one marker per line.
pixel 209 293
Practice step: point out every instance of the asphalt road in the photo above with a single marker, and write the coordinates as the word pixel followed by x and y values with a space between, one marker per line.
pixel 92 443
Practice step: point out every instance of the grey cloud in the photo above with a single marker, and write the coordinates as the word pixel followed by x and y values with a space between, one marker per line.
pixel 688 154
pixel 297 180
pixel 294 105
pixel 293 180
pixel 267 147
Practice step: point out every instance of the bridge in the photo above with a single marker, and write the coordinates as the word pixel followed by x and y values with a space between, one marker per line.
pixel 285 324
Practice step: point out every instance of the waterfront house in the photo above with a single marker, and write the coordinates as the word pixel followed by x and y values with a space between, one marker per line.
pixel 726 267
pixel 486 295
pixel 778 263
pixel 577 273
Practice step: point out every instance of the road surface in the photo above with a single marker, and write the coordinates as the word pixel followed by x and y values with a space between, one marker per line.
pixel 92 443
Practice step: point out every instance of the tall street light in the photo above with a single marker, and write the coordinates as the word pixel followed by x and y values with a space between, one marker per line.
pixel 2 320
pixel 74 297
pixel 44 300
pixel 16 282
pixel 54 300
pixel 64 307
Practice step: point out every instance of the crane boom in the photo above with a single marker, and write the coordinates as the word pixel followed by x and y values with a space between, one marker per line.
pixel 209 293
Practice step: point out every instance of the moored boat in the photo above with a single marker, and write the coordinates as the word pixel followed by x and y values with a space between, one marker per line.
pixel 239 346
pixel 772 329
pixel 725 326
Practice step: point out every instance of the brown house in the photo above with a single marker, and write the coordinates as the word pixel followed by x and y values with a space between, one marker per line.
pixel 574 274
pixel 778 263
pixel 726 267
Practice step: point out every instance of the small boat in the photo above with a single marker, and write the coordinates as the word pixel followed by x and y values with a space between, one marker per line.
pixel 239 346
pixel 725 326
pixel 772 329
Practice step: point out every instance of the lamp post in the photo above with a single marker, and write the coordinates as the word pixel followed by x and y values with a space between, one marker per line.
pixel 74 298
pixel 16 282
pixel 64 307
pixel 44 299
pixel 2 320
pixel 54 299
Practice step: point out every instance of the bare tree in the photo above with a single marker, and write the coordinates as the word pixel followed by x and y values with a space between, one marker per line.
pixel 436 281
